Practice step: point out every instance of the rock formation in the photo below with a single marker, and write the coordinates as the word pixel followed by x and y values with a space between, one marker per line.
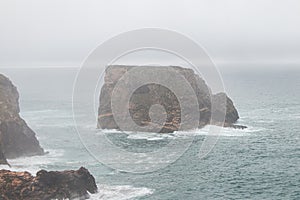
pixel 150 94
pixel 71 184
pixel 16 138
pixel 3 160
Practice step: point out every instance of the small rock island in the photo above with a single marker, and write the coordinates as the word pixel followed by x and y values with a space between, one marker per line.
pixel 150 94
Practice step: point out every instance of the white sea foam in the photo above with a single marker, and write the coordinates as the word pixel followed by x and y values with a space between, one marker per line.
pixel 101 131
pixel 264 121
pixel 138 135
pixel 120 192
pixel 224 131
pixel 149 136
pixel 33 164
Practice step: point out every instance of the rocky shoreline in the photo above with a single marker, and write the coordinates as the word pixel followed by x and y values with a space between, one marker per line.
pixel 17 139
pixel 47 185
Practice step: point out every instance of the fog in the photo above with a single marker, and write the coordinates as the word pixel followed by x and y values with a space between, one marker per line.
pixel 240 33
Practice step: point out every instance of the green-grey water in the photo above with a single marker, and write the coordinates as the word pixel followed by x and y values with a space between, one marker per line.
pixel 261 162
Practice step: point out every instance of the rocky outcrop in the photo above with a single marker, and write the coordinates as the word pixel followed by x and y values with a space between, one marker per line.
pixel 3 160
pixel 16 138
pixel 71 184
pixel 150 94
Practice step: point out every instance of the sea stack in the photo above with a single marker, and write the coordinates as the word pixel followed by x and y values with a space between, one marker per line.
pixel 16 138
pixel 150 94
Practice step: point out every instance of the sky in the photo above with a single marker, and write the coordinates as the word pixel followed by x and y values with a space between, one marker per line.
pixel 64 32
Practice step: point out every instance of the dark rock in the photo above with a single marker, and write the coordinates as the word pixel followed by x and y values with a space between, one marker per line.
pixel 150 94
pixel 235 126
pixel 16 138
pixel 231 113
pixel 71 184
pixel 3 160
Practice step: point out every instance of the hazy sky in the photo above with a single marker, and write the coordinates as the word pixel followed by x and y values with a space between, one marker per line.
pixel 63 32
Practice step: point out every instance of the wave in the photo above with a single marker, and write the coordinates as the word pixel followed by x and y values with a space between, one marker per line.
pixel 149 136
pixel 224 132
pixel 68 125
pixel 294 116
pixel 33 164
pixel 43 115
pixel 41 111
pixel 120 192
pixel 139 135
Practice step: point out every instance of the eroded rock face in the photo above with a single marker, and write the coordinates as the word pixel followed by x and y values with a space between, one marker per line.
pixel 3 160
pixel 16 138
pixel 70 184
pixel 151 94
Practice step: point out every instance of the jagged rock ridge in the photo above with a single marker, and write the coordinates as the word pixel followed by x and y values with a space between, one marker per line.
pixel 150 94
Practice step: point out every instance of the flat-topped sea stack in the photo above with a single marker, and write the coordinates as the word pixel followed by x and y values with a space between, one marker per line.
pixel 144 97
pixel 16 138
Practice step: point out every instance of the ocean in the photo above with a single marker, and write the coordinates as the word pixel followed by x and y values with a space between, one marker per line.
pixel 260 162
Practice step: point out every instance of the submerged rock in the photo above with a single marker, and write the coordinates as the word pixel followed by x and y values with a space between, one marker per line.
pixel 151 94
pixel 16 138
pixel 71 184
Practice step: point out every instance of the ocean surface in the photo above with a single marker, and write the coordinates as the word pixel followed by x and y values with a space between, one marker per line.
pixel 260 162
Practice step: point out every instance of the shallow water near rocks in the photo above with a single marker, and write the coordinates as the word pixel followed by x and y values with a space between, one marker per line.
pixel 260 162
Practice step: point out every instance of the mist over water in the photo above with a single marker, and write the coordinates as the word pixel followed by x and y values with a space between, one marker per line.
pixel 260 162
pixel 255 44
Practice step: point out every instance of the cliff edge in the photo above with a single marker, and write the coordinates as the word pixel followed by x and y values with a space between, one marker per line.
pixel 16 138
